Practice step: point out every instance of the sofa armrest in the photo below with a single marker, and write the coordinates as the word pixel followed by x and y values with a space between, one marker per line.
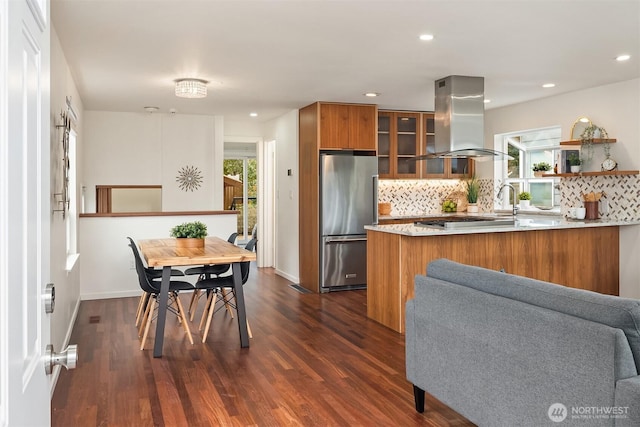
pixel 628 396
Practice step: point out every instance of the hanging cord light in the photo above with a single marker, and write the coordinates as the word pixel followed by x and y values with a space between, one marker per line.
pixel 191 88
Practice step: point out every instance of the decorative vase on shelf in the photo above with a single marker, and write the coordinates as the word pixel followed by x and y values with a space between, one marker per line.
pixel 472 208
pixel 575 168
pixel 538 174
pixel 525 204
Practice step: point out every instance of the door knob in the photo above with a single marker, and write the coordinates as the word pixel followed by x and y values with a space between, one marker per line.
pixel 67 358
pixel 49 298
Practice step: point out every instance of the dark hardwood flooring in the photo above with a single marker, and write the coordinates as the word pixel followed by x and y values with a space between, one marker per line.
pixel 314 360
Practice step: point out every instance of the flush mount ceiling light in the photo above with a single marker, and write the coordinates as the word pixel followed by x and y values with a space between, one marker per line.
pixel 623 58
pixel 548 85
pixel 191 88
pixel 426 37
pixel 372 94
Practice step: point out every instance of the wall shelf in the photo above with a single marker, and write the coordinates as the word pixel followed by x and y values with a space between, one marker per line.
pixel 597 173
pixel 595 141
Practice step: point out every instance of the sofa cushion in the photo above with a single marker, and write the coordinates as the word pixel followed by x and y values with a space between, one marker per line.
pixel 617 312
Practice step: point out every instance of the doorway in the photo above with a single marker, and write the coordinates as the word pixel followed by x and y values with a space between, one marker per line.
pixel 240 168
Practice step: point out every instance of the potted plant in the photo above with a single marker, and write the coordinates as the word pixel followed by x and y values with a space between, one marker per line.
pixel 574 162
pixel 189 234
pixel 539 169
pixel 525 199
pixel 473 188
pixel 589 135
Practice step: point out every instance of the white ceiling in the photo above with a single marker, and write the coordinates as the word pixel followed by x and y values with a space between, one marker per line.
pixel 274 56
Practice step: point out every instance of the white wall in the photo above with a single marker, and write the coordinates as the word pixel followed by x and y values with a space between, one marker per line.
pixel 107 271
pixel 67 282
pixel 284 131
pixel 615 107
pixel 151 149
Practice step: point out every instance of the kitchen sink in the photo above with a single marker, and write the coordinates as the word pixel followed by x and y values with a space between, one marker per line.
pixel 455 222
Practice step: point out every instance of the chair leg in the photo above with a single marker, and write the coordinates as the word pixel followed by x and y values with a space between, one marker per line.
pixel 141 306
pixel 210 311
pixel 207 306
pixel 147 324
pixel 226 302
pixel 195 297
pixel 181 314
pixel 143 321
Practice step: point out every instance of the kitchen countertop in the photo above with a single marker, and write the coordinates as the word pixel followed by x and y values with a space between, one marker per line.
pixel 524 222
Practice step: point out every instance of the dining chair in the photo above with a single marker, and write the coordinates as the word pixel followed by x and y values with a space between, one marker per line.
pixel 216 286
pixel 206 271
pixel 152 273
pixel 152 288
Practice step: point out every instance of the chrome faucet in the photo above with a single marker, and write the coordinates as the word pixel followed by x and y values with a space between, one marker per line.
pixel 513 192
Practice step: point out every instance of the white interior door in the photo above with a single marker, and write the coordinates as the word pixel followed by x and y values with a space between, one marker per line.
pixel 25 212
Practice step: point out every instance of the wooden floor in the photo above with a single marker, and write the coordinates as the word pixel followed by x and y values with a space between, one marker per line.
pixel 314 360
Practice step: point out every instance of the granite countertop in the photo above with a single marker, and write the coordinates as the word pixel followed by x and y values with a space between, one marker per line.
pixel 524 222
pixel 507 212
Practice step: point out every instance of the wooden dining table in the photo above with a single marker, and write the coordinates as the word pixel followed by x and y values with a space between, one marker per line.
pixel 164 253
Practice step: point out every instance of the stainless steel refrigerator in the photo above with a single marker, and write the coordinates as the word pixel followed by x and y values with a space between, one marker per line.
pixel 348 202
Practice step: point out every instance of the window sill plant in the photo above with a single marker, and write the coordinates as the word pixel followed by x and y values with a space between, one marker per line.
pixel 541 168
pixel 525 199
pixel 189 234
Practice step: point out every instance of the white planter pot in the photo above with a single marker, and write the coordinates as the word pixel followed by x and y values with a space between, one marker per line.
pixel 525 204
pixel 575 169
pixel 472 208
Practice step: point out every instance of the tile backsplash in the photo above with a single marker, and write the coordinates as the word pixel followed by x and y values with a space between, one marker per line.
pixel 415 197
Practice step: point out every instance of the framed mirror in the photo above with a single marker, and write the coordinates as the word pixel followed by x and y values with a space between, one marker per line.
pixel 579 126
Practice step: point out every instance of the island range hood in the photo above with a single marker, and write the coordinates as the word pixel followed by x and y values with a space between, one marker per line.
pixel 459 119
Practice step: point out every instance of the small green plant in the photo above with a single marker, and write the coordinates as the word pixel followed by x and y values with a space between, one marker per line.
pixel 541 167
pixel 525 195
pixel 574 160
pixel 194 230
pixel 473 188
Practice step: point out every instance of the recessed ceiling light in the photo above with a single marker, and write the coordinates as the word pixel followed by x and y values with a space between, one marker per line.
pixel 623 57
pixel 253 114
pixel 486 101
pixel 426 37
pixel 548 85
pixel 372 94
pixel 151 109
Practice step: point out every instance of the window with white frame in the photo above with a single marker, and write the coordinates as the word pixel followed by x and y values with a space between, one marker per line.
pixel 526 149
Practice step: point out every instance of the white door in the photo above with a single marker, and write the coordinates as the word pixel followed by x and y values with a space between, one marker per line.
pixel 25 212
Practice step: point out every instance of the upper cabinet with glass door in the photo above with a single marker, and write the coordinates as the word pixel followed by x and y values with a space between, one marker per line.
pixel 440 168
pixel 398 144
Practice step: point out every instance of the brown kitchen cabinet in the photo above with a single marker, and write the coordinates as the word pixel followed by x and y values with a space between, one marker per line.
pixel 398 144
pixel 440 168
pixel 325 126
pixel 347 126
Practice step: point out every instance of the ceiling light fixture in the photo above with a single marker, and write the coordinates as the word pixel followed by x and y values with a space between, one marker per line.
pixel 486 101
pixel 253 114
pixel 151 109
pixel 191 88
pixel 548 85
pixel 372 94
pixel 623 58
pixel 426 37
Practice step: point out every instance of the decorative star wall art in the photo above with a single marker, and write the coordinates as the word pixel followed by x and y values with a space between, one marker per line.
pixel 189 178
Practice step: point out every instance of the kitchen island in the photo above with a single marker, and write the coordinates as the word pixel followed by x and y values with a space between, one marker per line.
pixel 580 254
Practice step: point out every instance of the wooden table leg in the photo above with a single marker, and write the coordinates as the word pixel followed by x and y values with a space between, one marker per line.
pixel 163 297
pixel 242 314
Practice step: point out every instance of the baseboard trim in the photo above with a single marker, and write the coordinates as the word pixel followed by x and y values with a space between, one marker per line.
pixel 287 276
pixel 108 295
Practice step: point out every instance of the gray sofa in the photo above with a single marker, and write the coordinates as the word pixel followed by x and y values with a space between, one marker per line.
pixel 505 350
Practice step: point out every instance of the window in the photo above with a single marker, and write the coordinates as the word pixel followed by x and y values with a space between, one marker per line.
pixel 528 148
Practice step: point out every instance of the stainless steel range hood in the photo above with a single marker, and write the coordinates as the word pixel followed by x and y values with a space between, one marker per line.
pixel 459 119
